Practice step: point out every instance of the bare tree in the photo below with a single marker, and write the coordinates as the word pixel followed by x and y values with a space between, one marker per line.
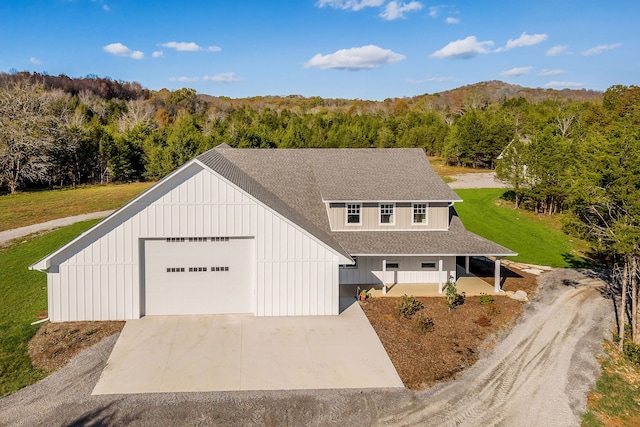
pixel 27 133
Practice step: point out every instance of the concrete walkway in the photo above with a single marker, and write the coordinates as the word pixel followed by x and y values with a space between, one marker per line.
pixel 243 352
pixel 16 233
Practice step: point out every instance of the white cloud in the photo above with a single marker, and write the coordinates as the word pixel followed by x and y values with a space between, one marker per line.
pixel 546 72
pixel 557 50
pixel 526 40
pixel 184 79
pixel 189 47
pixel 35 61
pixel 602 48
pixel 350 4
pixel 223 78
pixel 105 6
pixel 119 49
pixel 356 58
pixel 452 20
pixel 395 10
pixel 158 54
pixel 561 85
pixel 434 11
pixel 515 72
pixel 463 49
pixel 432 80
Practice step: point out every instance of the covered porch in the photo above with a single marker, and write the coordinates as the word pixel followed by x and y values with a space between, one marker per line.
pixel 466 281
pixel 470 285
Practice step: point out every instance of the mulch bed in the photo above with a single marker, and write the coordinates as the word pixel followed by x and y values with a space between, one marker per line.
pixel 457 337
pixel 56 343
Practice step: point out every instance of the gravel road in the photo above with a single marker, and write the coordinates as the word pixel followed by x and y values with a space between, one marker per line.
pixel 537 374
pixel 476 180
pixel 16 233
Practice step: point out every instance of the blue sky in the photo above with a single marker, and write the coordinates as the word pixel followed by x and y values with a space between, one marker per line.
pixel 364 49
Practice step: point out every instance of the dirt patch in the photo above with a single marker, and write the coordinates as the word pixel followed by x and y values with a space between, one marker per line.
pixel 456 339
pixel 56 343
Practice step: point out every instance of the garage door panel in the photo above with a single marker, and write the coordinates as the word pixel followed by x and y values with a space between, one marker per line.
pixel 199 277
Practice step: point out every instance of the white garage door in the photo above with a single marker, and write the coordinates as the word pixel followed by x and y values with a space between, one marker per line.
pixel 198 275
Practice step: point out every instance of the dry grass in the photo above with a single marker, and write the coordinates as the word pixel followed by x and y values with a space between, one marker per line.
pixel 443 169
pixel 22 209
pixel 56 343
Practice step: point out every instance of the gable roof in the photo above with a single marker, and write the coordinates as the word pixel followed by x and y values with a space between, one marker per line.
pixel 304 179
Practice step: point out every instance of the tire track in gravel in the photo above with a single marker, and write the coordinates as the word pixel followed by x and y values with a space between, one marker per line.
pixel 536 375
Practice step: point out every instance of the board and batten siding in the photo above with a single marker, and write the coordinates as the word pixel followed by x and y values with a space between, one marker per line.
pixel 437 217
pixel 103 280
pixel 369 270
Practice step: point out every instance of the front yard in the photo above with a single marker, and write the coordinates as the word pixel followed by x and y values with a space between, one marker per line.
pixel 456 339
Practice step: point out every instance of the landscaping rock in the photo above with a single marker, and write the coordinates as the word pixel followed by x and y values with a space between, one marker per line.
pixel 520 296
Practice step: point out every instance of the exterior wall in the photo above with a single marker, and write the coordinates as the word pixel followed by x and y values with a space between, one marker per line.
pixel 295 274
pixel 437 217
pixel 369 270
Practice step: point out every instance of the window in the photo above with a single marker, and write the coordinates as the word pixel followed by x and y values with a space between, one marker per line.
pixel 419 213
pixel 353 213
pixel 428 265
pixel 393 265
pixel 354 265
pixel 386 213
pixel 219 268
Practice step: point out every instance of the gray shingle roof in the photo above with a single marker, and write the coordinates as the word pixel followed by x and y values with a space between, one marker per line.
pixel 368 174
pixel 217 160
pixel 294 182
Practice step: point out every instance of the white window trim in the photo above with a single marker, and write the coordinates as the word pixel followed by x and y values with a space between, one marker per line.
pixel 346 211
pixel 393 214
pixel 392 268
pixel 426 213
pixel 434 268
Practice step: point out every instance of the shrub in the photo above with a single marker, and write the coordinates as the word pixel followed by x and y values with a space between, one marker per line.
pixel 493 310
pixel 485 299
pixel 454 299
pixel 424 323
pixel 632 352
pixel 408 306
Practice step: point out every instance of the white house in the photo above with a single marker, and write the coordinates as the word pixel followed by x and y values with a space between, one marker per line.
pixel 267 232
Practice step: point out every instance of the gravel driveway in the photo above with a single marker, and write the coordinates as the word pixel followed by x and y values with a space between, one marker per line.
pixel 476 180
pixel 537 374
pixel 16 233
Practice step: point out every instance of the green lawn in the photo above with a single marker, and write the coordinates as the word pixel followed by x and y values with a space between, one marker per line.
pixel 23 296
pixel 614 400
pixel 537 241
pixel 21 209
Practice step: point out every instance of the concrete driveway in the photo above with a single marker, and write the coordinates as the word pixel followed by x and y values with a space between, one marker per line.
pixel 243 352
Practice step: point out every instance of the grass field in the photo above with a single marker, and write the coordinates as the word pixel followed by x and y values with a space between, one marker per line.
pixel 21 209
pixel 536 239
pixel 24 296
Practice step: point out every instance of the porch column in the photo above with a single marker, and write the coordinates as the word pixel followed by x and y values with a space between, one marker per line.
pixel 384 276
pixel 496 276
pixel 440 275
pixel 466 264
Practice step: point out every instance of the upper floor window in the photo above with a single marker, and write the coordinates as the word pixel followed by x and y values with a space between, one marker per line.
pixel 353 213
pixel 386 213
pixel 419 213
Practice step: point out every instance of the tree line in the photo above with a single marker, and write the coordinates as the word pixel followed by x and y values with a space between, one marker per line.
pixel 56 131
pixel 560 151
